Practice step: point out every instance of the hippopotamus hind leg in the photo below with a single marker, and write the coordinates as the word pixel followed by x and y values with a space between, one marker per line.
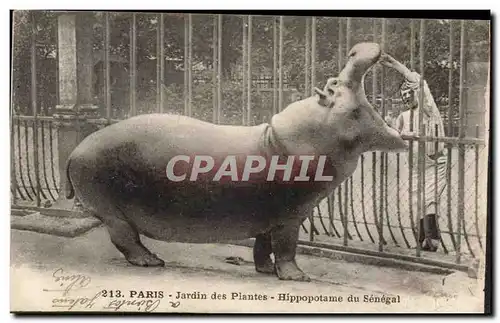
pixel 262 250
pixel 126 239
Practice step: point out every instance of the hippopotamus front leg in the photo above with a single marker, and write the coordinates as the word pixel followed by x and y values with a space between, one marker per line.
pixel 262 250
pixel 284 244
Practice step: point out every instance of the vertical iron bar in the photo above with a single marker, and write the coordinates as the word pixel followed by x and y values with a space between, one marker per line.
pixel 159 58
pixel 275 72
pixel 107 82
pixel 249 84
pixel 421 144
pixel 412 44
pixel 133 65
pixel 219 68
pixel 20 157
pixel 347 48
pixel 398 202
pixel 28 169
pixel 436 185
pixel 187 67
pixel 348 36
pixel 313 55
pixel 450 134
pixel 214 69
pixel 244 69
pixel 340 47
pixel 310 85
pixel 311 225
pixel 331 211
pixel 386 202
pixel 411 141
pixel 42 128
pixel 15 125
pixel 362 187
pixel 412 63
pixel 190 64
pixel 341 211
pixel 382 155
pixel 450 83
pixel 35 107
pixel 320 216
pixel 343 214
pixel 52 157
pixel 351 199
pixel 13 177
pixel 346 211
pixel 461 147
pixel 476 189
pixel 332 217
pixel 307 56
pixel 374 154
pixel 57 68
pixel 160 63
pixel 280 64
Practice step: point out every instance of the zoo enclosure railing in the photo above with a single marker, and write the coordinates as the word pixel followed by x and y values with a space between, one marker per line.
pixel 371 210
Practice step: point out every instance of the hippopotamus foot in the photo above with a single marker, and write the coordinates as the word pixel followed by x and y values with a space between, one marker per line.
pixel 284 243
pixel 261 254
pixel 126 239
pixel 146 260
pixel 288 270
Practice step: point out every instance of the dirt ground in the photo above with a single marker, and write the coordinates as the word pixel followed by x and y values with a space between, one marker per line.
pixel 51 273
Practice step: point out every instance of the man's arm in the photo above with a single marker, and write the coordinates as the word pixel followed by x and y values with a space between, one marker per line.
pixel 389 61
pixel 412 79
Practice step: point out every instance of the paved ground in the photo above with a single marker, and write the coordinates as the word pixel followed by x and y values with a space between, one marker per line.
pixel 58 273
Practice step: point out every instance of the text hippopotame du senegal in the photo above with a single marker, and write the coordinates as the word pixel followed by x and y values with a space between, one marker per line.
pixel 290 298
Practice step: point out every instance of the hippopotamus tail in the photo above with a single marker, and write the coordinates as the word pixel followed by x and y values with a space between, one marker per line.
pixel 68 188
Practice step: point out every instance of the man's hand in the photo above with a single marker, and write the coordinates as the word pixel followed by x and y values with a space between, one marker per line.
pixel 388 61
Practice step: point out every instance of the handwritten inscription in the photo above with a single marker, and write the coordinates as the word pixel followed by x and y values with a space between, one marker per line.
pixel 73 292
pixel 68 282
pixel 75 303
pixel 138 305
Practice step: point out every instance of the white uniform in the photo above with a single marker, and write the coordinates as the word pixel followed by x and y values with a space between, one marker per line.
pixel 403 122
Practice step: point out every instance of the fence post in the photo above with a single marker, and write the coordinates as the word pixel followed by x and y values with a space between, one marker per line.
pixel 75 90
pixel 421 213
pixel 34 104
pixel 133 66
pixel 461 147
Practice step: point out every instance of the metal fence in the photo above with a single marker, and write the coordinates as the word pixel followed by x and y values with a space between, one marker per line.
pixel 370 212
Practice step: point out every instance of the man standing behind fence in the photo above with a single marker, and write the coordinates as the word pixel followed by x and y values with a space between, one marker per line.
pixel 410 95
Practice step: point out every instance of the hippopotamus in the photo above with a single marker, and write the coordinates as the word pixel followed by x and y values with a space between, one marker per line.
pixel 179 179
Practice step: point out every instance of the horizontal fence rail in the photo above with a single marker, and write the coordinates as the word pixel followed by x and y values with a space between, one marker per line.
pixel 378 207
pixel 350 204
